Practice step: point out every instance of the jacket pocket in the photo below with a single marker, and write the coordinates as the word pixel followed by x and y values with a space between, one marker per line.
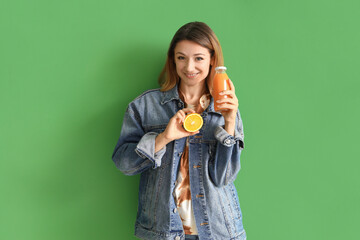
pixel 146 190
pixel 235 201
pixel 233 211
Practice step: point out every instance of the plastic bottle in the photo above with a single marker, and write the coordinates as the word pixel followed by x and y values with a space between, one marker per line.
pixel 220 83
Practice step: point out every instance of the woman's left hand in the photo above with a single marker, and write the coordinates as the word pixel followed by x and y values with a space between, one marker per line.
pixel 228 108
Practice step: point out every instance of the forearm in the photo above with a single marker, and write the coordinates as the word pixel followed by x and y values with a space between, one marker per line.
pixel 225 165
pixel 230 127
pixel 160 142
pixel 226 162
pixel 128 161
pixel 132 156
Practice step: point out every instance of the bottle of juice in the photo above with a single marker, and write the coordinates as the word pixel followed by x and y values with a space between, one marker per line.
pixel 220 83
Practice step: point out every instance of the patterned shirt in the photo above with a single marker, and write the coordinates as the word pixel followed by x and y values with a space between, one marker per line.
pixel 182 189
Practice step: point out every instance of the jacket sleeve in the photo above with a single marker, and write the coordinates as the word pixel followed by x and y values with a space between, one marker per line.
pixel 135 149
pixel 225 163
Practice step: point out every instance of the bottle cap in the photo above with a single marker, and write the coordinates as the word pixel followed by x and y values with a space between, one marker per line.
pixel 220 68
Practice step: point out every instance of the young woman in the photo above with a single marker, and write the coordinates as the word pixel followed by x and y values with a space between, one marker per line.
pixel 186 185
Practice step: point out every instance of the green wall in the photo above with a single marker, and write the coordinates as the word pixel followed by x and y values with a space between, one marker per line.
pixel 68 69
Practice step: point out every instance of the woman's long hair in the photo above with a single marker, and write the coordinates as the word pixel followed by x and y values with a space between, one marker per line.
pixel 201 34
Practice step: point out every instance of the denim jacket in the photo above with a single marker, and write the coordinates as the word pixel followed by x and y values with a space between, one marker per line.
pixel 214 161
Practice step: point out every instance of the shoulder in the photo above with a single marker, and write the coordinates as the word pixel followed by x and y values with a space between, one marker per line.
pixel 151 93
pixel 149 99
pixel 149 107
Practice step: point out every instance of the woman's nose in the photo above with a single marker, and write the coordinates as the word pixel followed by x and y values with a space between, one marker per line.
pixel 190 65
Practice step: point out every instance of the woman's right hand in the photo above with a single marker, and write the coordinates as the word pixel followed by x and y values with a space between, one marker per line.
pixel 174 130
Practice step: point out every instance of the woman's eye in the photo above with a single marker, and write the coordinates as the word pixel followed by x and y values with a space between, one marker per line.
pixel 180 58
pixel 199 59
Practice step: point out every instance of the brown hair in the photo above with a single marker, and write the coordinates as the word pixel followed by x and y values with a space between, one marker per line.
pixel 201 34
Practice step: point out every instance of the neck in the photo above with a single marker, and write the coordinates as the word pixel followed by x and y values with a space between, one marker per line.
pixel 192 94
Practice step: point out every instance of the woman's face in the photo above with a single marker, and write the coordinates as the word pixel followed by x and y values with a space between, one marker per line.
pixel 192 62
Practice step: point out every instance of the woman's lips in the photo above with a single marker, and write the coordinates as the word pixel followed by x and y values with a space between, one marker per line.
pixel 192 75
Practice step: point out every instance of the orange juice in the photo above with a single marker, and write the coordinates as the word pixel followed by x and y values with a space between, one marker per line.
pixel 220 83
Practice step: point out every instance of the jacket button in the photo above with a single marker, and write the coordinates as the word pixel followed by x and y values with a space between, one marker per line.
pixel 177 238
pixel 179 104
pixel 175 210
pixel 227 141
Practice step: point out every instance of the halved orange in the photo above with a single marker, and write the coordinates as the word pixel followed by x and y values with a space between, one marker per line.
pixel 193 122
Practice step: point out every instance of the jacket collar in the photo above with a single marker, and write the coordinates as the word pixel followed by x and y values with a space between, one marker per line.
pixel 170 95
pixel 211 107
pixel 173 94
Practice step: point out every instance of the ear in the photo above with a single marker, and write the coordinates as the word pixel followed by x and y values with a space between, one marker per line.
pixel 212 61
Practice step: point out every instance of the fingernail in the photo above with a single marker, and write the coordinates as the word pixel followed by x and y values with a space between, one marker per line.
pixel 218 101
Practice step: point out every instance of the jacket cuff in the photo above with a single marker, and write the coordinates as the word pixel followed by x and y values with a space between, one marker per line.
pixel 226 139
pixel 146 149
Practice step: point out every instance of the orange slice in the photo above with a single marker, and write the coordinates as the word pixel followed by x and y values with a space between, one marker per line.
pixel 193 122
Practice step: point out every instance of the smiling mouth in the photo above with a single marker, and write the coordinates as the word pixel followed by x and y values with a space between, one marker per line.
pixel 191 75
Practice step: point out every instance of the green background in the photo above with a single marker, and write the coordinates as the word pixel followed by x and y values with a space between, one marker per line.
pixel 68 70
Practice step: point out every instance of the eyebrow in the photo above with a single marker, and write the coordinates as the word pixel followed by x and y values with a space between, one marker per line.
pixel 194 54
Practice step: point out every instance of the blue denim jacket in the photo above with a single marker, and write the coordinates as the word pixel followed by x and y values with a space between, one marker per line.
pixel 214 161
